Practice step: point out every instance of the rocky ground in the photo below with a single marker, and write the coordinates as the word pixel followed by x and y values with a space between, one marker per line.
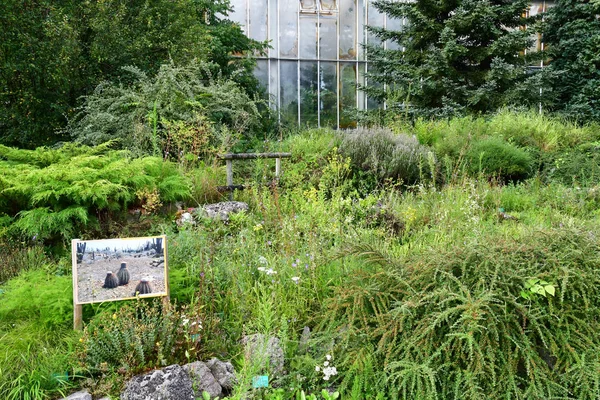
pixel 91 275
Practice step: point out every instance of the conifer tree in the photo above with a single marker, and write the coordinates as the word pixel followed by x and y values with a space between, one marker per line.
pixel 572 34
pixel 455 56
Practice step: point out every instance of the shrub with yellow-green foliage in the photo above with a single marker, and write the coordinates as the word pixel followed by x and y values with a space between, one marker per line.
pixel 53 194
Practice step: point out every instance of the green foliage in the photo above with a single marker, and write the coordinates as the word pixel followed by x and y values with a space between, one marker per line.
pixel 36 364
pixel 15 259
pixel 496 158
pixel 54 194
pixel 53 53
pixel 383 155
pixel 453 57
pixel 173 112
pixel 572 36
pixel 453 323
pixel 137 337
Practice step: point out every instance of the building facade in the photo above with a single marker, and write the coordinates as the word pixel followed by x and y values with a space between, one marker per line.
pixel 317 61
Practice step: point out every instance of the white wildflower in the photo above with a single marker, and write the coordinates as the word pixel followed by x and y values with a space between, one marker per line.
pixel 328 357
pixel 262 260
pixel 296 279
pixel 317 368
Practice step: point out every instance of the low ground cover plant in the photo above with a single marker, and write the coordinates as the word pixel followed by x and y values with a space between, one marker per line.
pixel 462 288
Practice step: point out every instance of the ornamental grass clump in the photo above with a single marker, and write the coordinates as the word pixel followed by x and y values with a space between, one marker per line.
pixel 473 321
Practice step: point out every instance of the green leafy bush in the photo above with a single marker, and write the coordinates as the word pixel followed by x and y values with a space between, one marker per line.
pixel 579 165
pixel 139 336
pixel 452 323
pixel 55 194
pixel 157 113
pixel 495 157
pixel 383 155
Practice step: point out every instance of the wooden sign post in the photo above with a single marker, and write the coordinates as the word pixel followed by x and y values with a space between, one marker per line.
pixel 118 269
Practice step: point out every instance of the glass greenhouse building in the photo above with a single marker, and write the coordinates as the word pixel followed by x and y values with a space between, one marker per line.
pixel 317 58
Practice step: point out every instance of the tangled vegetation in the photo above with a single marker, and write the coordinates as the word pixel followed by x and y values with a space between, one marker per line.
pixel 465 281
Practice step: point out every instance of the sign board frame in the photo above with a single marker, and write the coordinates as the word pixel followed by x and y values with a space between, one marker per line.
pixel 77 303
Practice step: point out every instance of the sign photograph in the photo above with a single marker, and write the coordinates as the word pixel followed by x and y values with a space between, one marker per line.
pixel 119 269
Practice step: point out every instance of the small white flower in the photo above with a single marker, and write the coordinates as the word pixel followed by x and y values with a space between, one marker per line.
pixel 262 260
pixel 326 378
pixel 296 279
pixel 262 269
pixel 328 357
pixel 326 364
pixel 271 271
pixel 185 321
pixel 317 368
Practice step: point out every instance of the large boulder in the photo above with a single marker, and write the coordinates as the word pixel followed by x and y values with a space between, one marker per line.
pixel 223 373
pixel 223 210
pixel 170 383
pixel 264 351
pixel 203 380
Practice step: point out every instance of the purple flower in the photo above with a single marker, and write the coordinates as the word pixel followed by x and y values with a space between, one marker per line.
pixel 201 274
pixel 294 265
pixel 269 242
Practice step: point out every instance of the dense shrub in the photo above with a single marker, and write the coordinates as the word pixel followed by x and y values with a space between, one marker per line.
pixel 54 194
pixel 579 165
pixel 382 155
pixel 176 110
pixel 134 337
pixel 489 317
pixel 496 158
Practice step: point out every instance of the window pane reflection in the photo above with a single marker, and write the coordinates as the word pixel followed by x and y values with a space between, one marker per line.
pixel 289 92
pixel 308 93
pixel 328 94
pixel 347 95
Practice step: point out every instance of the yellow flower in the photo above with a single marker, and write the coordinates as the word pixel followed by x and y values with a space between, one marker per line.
pixel 258 227
pixel 114 316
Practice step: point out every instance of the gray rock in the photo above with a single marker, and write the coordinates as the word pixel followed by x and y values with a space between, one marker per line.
pixel 170 383
pixel 203 380
pixel 81 395
pixel 222 210
pixel 223 372
pixel 264 351
pixel 186 218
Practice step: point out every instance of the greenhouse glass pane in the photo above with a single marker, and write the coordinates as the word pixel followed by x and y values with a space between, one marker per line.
pixel 347 95
pixel 308 93
pixel 361 80
pixel 239 13
pixel 288 28
pixel 258 20
pixel 360 29
pixel 328 5
pixel 273 34
pixel 308 43
pixel 328 95
pixel 348 29
pixel 289 92
pixel 328 39
pixel 274 82
pixel 261 72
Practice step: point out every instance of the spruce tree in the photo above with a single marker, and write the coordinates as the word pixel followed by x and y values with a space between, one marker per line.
pixel 456 56
pixel 572 34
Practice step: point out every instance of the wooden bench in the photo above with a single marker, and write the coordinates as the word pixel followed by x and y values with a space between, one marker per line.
pixel 231 187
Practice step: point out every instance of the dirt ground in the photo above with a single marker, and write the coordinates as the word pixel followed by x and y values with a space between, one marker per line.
pixel 91 275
